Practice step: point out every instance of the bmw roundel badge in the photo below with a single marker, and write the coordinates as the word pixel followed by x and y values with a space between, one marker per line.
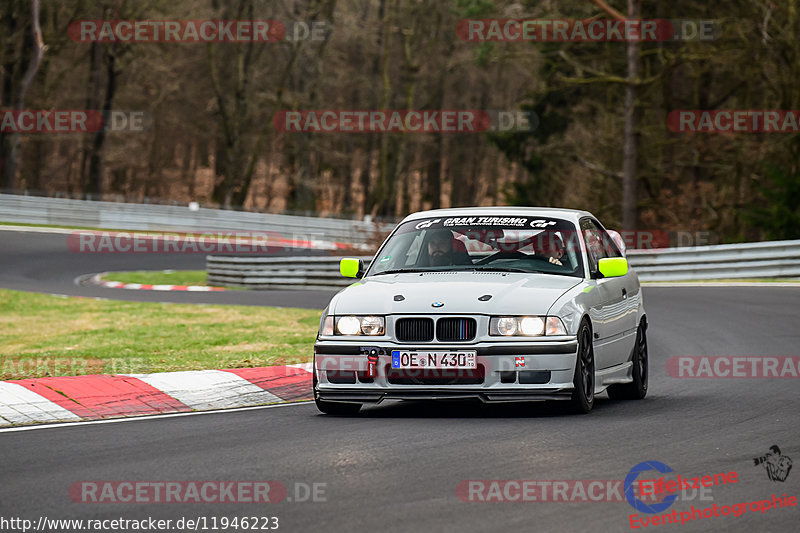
pixel 437 304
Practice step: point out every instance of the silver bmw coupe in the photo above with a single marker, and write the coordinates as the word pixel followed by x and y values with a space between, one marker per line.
pixel 496 304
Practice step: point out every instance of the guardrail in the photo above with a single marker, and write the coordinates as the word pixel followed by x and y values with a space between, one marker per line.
pixel 752 260
pixel 317 273
pixel 145 217
pixel 774 259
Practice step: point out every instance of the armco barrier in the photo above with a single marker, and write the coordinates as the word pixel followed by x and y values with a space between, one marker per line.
pixel 147 217
pixel 752 260
pixel 774 259
pixel 318 273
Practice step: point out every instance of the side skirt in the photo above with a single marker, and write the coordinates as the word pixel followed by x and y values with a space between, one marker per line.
pixel 610 376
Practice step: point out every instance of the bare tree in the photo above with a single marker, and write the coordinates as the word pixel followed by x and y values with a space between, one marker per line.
pixel 630 144
pixel 10 143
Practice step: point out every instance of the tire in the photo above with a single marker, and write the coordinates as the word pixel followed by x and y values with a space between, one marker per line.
pixel 637 389
pixel 582 399
pixel 334 408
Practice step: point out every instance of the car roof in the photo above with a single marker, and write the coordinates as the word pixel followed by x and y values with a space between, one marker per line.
pixel 554 212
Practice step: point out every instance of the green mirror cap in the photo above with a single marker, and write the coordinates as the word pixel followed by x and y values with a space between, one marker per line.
pixel 613 267
pixel 350 267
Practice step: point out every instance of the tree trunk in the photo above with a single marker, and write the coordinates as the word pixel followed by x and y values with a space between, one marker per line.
pixel 94 89
pixel 630 149
pixel 386 165
pixel 9 144
pixel 97 158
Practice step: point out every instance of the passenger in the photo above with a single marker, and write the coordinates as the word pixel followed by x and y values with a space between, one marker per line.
pixel 553 248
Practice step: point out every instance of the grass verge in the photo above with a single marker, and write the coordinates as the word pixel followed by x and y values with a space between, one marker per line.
pixel 43 335
pixel 30 225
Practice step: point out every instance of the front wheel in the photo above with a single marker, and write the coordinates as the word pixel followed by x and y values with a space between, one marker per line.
pixel 583 394
pixel 637 389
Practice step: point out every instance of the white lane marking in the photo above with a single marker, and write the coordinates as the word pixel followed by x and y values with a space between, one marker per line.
pixel 34 229
pixel 148 417
pixel 96 279
pixel 208 389
pixel 20 405
pixel 308 367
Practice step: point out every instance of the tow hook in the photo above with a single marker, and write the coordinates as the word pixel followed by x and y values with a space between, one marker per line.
pixel 372 366
pixel 372 354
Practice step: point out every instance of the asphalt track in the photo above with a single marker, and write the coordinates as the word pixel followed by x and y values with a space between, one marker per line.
pixel 396 467
pixel 42 262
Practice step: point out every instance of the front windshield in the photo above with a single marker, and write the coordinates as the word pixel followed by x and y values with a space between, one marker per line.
pixel 499 243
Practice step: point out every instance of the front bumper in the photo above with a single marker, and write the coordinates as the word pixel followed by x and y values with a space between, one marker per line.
pixel 507 372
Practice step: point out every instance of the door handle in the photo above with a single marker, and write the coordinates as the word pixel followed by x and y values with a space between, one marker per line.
pixel 624 293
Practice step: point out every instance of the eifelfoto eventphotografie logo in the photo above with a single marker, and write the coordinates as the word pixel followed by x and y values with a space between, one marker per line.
pixel 776 464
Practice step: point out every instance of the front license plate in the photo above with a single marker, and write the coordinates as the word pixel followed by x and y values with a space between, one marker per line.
pixel 401 359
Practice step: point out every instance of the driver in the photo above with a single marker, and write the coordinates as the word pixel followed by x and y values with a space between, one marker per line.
pixel 441 250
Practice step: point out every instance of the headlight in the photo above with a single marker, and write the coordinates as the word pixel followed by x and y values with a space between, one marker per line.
pixel 526 326
pixel 531 325
pixel 348 325
pixel 372 325
pixel 506 325
pixel 360 325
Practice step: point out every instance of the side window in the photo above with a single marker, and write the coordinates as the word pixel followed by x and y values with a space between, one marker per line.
pixel 599 243
pixel 609 246
pixel 592 238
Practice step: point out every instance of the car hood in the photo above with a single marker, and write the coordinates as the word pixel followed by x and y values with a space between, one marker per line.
pixel 511 293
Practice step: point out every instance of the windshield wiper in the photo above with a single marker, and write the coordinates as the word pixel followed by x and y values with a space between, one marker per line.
pixel 507 269
pixel 403 271
pixel 512 269
pixel 451 268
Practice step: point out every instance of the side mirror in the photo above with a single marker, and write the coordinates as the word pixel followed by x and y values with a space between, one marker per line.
pixel 613 267
pixel 351 268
